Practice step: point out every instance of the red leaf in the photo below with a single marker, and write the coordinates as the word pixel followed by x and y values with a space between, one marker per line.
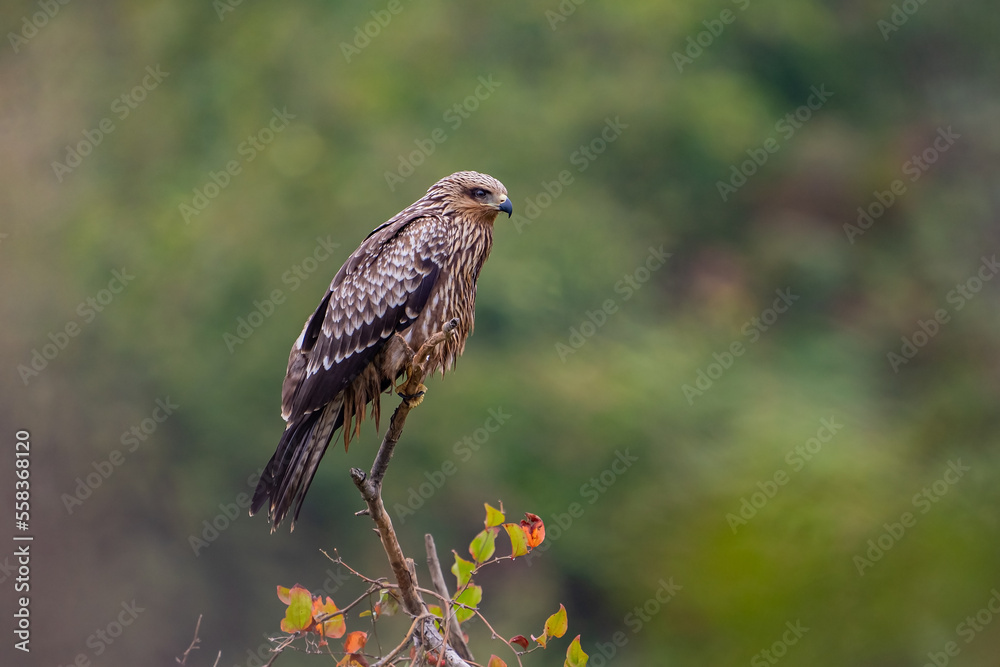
pixel 520 640
pixel 534 529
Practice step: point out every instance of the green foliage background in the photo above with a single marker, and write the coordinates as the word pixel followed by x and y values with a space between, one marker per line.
pixel 570 414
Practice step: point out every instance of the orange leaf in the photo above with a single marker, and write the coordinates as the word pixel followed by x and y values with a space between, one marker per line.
pixel 534 529
pixel 283 595
pixel 355 641
pixel 333 627
pixel 496 662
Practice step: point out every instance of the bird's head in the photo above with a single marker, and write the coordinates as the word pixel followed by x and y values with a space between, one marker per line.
pixel 479 196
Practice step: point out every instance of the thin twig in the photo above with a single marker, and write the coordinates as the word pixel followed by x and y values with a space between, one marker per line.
pixel 386 659
pixel 277 650
pixel 194 644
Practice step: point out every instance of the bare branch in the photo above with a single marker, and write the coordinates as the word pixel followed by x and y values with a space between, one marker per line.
pixel 194 644
pixel 437 578
pixel 424 631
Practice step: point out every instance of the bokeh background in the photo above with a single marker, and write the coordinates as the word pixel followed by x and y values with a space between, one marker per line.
pixel 589 346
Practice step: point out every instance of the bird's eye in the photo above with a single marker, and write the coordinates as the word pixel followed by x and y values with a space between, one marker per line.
pixel 479 193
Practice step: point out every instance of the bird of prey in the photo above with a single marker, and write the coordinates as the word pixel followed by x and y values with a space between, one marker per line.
pixel 409 277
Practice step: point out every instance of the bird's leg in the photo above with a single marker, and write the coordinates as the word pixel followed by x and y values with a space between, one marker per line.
pixel 413 390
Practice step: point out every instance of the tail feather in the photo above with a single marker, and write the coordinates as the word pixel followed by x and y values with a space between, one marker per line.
pixel 291 469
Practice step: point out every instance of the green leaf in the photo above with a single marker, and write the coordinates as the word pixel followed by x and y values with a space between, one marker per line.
pixel 494 516
pixel 518 540
pixel 298 616
pixel 484 544
pixel 557 623
pixel 470 597
pixel 575 655
pixel 387 604
pixel 462 569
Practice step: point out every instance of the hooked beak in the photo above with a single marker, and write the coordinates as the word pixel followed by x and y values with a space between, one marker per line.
pixel 506 207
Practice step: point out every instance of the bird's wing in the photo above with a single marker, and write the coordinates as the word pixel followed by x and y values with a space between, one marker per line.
pixel 381 289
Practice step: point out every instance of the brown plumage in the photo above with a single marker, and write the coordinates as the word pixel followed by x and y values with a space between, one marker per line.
pixel 410 276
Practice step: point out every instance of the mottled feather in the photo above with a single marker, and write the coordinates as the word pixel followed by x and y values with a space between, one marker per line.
pixel 412 274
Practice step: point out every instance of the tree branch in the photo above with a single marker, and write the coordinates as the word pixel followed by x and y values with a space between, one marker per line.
pixel 370 487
